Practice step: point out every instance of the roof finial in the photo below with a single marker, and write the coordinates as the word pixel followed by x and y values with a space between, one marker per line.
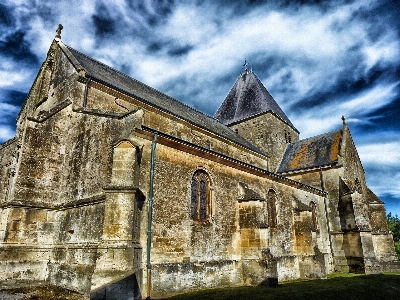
pixel 59 28
pixel 245 65
pixel 344 120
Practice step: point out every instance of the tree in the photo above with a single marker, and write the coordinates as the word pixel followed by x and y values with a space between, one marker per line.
pixel 394 227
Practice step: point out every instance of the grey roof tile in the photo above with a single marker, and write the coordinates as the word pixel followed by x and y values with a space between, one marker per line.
pixel 248 97
pixel 320 150
pixel 151 96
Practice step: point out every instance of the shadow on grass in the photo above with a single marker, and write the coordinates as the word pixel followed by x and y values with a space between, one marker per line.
pixel 340 287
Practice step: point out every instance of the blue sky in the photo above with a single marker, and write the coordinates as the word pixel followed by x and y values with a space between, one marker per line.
pixel 319 60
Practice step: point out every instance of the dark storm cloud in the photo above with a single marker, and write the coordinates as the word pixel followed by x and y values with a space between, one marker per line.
pixel 242 7
pixel 346 86
pixel 267 64
pixel 137 20
pixel 6 16
pixel 179 51
pixel 154 47
pixel 16 47
pixel 105 24
pixel 10 104
pixel 154 12
pixel 13 97
pixel 46 11
pixel 383 118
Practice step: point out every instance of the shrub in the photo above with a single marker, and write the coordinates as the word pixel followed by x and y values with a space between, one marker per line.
pixel 394 227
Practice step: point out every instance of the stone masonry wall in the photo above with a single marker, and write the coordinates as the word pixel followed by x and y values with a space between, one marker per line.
pixel 269 133
pixel 185 253
pixel 76 214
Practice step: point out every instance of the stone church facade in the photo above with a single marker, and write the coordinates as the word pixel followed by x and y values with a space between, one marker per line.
pixel 110 185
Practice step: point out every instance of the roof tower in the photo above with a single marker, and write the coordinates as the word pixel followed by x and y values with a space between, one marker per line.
pixel 248 97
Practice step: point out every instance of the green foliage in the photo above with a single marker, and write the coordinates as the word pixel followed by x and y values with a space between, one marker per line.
pixel 394 227
pixel 397 247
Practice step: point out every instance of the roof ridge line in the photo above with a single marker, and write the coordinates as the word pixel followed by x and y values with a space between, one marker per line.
pixel 140 82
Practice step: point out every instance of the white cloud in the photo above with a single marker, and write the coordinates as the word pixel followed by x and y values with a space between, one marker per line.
pixel 370 100
pixel 384 182
pixel 6 133
pixel 383 154
pixel 327 117
pixel 7 109
pixel 11 79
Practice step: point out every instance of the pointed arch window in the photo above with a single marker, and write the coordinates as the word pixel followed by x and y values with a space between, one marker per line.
pixel 200 196
pixel 272 209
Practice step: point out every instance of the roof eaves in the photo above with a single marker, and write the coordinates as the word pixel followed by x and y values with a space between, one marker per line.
pixel 275 176
pixel 246 144
pixel 130 78
pixel 256 149
pixel 307 168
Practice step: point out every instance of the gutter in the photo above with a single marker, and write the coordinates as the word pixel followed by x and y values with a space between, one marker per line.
pixel 86 92
pixel 171 141
pixel 150 216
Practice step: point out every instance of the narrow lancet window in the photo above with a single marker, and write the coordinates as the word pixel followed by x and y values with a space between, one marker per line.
pixel 194 199
pixel 200 196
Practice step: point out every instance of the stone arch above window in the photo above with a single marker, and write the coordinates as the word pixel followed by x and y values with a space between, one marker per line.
pixel 271 202
pixel 200 196
pixel 314 218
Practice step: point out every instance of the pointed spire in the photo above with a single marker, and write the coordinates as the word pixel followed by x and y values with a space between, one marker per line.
pixel 59 28
pixel 248 97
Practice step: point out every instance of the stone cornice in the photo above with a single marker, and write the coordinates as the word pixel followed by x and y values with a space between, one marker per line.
pixel 185 146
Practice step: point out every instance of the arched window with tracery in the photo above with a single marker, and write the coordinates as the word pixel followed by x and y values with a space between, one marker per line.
pixel 272 209
pixel 200 196
pixel 314 219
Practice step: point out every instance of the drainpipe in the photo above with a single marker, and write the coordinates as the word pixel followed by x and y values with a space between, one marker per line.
pixel 150 216
pixel 86 92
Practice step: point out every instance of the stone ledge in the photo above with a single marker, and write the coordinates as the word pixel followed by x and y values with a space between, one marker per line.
pixel 72 204
pixel 43 116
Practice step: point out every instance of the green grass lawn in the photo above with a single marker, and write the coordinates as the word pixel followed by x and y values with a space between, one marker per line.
pixel 337 287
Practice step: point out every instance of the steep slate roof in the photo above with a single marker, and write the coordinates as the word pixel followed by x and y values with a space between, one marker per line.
pixel 313 152
pixel 122 82
pixel 248 97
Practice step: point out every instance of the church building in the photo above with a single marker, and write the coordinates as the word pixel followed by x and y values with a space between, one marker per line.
pixel 115 190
